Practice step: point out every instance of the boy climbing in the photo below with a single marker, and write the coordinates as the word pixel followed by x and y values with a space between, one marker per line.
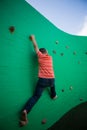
pixel 46 78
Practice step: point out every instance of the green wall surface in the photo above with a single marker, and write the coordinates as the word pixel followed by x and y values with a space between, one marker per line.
pixel 19 67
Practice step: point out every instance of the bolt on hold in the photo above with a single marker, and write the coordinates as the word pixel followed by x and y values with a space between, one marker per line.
pixel 81 99
pixel 57 42
pixel 54 51
pixel 62 54
pixel 67 47
pixel 44 121
pixel 71 88
pixel 86 53
pixel 11 29
pixel 74 53
pixel 62 90
pixel 79 62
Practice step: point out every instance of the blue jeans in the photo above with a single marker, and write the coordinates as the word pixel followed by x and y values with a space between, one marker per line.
pixel 41 85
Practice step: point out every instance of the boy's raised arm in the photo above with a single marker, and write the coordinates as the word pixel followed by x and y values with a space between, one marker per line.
pixel 32 38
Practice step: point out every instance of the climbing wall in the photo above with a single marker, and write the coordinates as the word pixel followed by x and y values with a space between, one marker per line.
pixel 19 67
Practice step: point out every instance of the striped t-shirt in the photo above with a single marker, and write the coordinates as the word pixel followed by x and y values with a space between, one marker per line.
pixel 45 66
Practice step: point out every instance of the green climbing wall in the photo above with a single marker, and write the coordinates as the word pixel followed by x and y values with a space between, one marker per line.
pixel 19 68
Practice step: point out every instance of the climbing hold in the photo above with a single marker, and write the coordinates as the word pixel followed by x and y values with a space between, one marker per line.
pixel 86 53
pixel 79 62
pixel 62 54
pixel 71 88
pixel 74 53
pixel 81 99
pixel 11 29
pixel 54 51
pixel 44 121
pixel 62 90
pixel 30 38
pixel 57 42
pixel 67 47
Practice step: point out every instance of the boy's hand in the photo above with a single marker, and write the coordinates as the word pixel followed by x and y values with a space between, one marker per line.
pixel 32 37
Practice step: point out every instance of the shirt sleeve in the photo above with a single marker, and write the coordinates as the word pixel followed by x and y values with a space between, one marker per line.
pixel 39 54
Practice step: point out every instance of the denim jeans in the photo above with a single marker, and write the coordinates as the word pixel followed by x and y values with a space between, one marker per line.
pixel 41 85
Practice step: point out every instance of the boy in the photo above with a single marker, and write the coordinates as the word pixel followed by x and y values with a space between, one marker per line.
pixel 46 78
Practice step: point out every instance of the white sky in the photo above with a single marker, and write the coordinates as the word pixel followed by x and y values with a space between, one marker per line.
pixel 67 15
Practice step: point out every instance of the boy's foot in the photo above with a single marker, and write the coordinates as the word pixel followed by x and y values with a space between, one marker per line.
pixel 24 119
pixel 55 97
pixel 24 115
pixel 23 123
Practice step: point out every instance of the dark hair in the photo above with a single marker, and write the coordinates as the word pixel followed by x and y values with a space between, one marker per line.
pixel 43 50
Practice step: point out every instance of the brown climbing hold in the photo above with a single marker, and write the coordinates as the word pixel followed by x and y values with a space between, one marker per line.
pixel 74 53
pixel 67 47
pixel 11 29
pixel 44 121
pixel 54 51
pixel 79 62
pixel 81 99
pixel 30 37
pixel 62 54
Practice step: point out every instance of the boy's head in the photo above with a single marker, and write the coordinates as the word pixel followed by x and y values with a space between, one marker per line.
pixel 43 50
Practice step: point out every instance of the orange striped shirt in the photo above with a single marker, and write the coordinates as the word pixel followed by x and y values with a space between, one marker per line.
pixel 45 66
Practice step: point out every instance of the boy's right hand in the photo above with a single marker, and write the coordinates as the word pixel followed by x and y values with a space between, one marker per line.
pixel 32 37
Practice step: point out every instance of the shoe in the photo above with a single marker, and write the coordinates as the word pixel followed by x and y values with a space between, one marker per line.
pixel 23 123
pixel 55 97
pixel 24 119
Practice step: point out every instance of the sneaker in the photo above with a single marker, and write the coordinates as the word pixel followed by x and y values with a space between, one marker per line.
pixel 55 97
pixel 24 119
pixel 23 123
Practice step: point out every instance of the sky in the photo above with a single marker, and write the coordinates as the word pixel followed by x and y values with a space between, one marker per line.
pixel 68 15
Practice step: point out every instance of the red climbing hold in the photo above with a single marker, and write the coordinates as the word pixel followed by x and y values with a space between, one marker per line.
pixel 11 29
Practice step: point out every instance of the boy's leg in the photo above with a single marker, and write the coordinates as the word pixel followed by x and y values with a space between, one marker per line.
pixel 24 119
pixel 53 92
pixel 52 88
pixel 31 102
